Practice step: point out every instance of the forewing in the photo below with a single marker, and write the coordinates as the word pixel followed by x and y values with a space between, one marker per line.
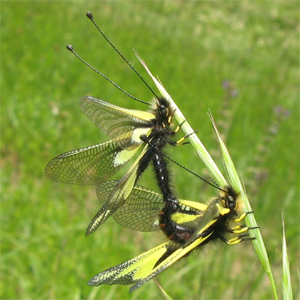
pixel 90 165
pixel 125 126
pixel 132 270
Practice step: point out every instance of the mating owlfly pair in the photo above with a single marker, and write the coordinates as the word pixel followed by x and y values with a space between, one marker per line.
pixel 187 224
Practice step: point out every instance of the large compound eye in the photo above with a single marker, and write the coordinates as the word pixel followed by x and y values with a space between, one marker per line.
pixel 231 203
pixel 163 110
pixel 143 137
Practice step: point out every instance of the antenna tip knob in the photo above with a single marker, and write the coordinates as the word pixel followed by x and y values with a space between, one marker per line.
pixel 90 15
pixel 70 47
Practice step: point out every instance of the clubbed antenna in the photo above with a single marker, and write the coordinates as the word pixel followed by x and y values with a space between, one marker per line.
pixel 90 16
pixel 70 47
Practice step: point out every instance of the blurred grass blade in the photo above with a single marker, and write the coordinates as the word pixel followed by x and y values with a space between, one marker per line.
pixel 286 275
pixel 187 129
pixel 164 293
pixel 235 182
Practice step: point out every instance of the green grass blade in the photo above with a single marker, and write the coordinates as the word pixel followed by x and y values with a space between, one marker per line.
pixel 235 182
pixel 164 293
pixel 286 275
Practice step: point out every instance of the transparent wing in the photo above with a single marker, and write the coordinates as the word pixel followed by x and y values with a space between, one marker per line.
pixel 90 165
pixel 142 207
pixel 139 212
pixel 118 195
pixel 122 125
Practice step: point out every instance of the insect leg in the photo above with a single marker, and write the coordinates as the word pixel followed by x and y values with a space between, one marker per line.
pixel 238 239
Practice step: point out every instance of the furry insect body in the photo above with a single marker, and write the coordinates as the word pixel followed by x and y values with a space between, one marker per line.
pixel 187 224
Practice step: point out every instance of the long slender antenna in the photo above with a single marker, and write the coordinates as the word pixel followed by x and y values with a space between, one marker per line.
pixel 215 185
pixel 70 47
pixel 90 16
pixel 192 172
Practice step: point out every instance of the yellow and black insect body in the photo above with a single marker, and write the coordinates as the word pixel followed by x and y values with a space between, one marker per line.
pixel 177 221
pixel 128 130
pixel 188 226
pixel 155 139
pixel 141 212
pixel 94 164
pixel 180 223
pixel 219 216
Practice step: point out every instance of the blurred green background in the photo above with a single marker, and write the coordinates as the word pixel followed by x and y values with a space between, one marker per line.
pixel 238 59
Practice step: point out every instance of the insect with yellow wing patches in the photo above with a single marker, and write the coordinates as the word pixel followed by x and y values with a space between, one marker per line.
pixel 187 224
pixel 95 164
pixel 129 131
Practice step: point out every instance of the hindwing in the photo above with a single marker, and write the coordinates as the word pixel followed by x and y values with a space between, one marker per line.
pixel 118 196
pixel 142 207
